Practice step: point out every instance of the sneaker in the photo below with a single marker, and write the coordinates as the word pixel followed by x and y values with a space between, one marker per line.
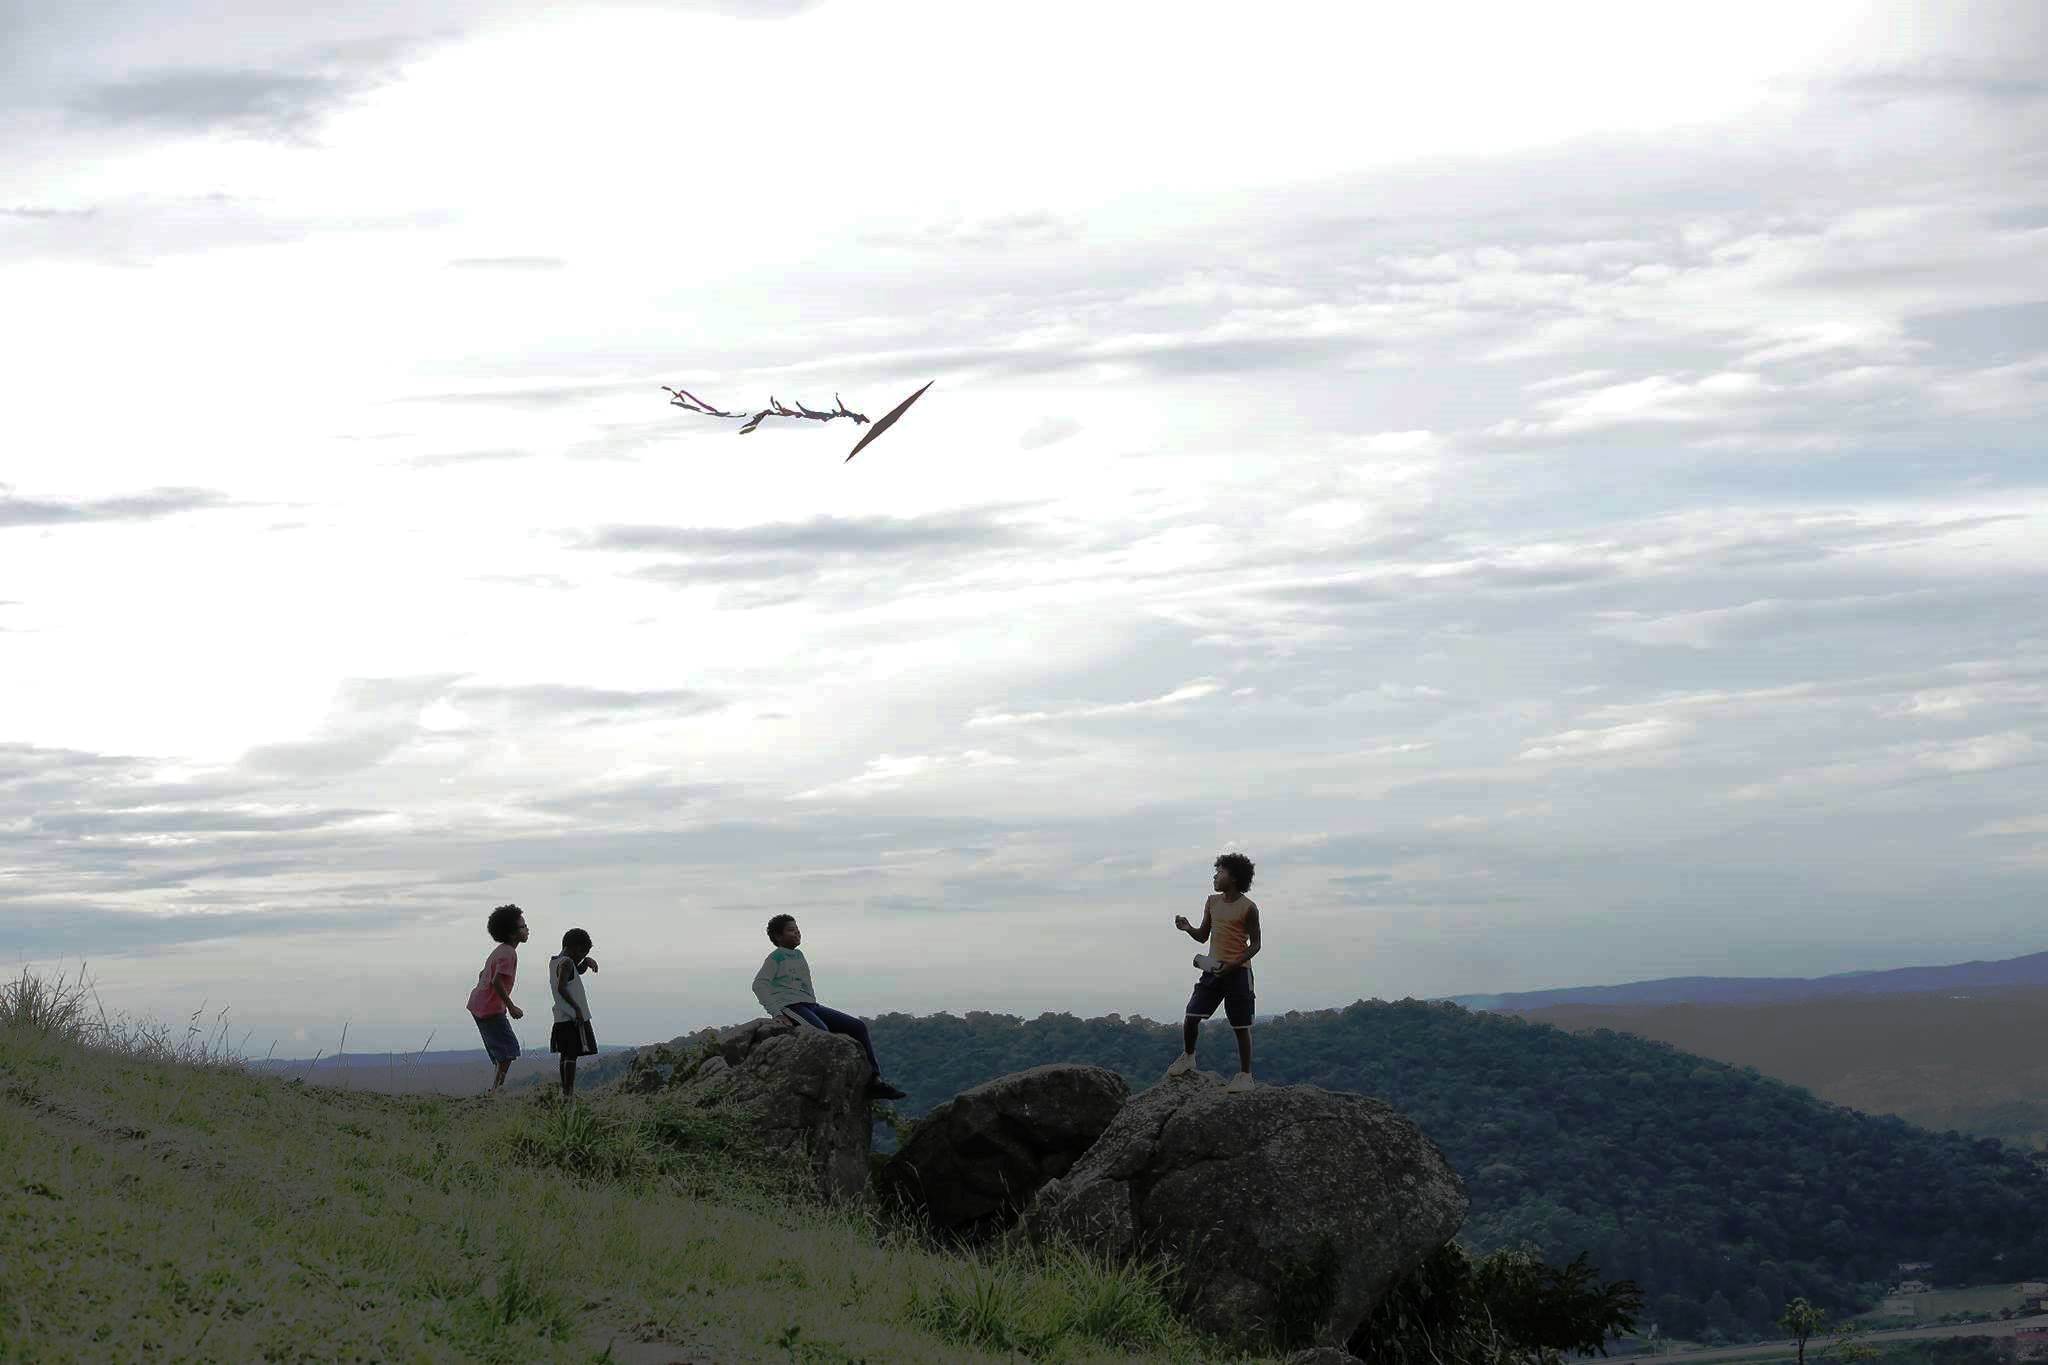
pixel 879 1089
pixel 1182 1064
pixel 1241 1081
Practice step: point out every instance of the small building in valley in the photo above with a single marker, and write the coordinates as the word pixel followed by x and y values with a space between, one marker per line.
pixel 1914 1287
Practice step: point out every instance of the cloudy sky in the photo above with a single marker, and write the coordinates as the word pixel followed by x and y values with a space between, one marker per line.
pixel 1561 486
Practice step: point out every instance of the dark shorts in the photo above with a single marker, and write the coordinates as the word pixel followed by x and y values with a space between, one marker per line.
pixel 572 1039
pixel 1232 990
pixel 501 1044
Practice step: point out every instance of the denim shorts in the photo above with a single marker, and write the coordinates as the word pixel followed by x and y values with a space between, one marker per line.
pixel 501 1044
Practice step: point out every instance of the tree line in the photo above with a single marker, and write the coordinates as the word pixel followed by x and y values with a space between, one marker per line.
pixel 1722 1193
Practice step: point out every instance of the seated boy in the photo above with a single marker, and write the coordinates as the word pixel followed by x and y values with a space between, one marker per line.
pixel 783 986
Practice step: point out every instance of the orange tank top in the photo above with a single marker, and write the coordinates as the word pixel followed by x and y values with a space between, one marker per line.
pixel 1226 928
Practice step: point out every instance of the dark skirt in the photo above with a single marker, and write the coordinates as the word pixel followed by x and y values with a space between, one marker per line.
pixel 573 1039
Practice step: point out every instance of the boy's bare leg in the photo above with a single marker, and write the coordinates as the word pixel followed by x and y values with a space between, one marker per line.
pixel 568 1077
pixel 498 1082
pixel 1244 1050
pixel 1189 1032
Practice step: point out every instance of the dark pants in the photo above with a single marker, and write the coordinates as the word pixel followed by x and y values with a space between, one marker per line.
pixel 1231 989
pixel 832 1021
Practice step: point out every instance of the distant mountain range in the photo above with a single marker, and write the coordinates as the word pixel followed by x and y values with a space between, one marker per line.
pixel 455 1071
pixel 463 1056
pixel 1963 977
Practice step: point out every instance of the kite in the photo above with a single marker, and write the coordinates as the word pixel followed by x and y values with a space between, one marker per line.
pixel 683 398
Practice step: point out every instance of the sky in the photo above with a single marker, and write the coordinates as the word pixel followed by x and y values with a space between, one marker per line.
pixel 1561 487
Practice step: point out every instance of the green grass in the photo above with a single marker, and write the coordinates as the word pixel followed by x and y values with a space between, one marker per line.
pixel 159 1203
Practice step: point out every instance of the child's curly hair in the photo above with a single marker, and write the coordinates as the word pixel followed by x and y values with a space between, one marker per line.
pixel 778 924
pixel 504 923
pixel 1240 869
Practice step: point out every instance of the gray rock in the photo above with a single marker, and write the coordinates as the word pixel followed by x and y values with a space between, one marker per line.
pixel 659 1065
pixel 972 1165
pixel 738 1043
pixel 796 1089
pixel 1287 1211
pixel 650 1068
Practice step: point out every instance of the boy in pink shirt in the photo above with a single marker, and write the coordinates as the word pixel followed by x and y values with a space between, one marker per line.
pixel 491 1001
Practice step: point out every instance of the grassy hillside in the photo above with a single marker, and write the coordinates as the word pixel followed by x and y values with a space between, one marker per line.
pixel 1722 1192
pixel 161 1202
pixel 1973 1063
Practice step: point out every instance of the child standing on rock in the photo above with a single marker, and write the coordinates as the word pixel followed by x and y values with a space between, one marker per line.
pixel 491 1001
pixel 1230 923
pixel 573 1035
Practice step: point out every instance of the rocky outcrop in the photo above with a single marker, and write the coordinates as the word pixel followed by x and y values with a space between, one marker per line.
pixel 795 1089
pixel 650 1068
pixel 1286 1210
pixel 660 1065
pixel 972 1165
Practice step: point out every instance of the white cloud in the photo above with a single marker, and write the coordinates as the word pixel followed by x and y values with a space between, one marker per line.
pixel 1400 443
pixel 1194 691
pixel 894 772
pixel 1984 753
pixel 1652 733
pixel 2031 825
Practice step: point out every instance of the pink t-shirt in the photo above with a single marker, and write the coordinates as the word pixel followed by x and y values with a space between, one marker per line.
pixel 501 966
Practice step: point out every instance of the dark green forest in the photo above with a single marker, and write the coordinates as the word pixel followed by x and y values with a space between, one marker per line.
pixel 1722 1193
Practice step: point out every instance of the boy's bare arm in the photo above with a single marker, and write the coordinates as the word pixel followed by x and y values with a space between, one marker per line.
pixel 1251 935
pixel 506 996
pixel 1199 935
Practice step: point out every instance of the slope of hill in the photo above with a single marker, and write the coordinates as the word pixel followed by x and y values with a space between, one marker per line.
pixel 2031 970
pixel 154 1210
pixel 1722 1192
pixel 1973 1063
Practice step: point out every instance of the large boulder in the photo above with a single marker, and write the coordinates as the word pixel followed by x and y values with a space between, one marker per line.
pixel 973 1164
pixel 796 1089
pixel 1287 1211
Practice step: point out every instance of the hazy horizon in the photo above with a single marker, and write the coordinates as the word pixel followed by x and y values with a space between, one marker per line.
pixel 537 1024
pixel 1561 489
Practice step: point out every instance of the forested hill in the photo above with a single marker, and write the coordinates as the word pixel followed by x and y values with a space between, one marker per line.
pixel 1723 1193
